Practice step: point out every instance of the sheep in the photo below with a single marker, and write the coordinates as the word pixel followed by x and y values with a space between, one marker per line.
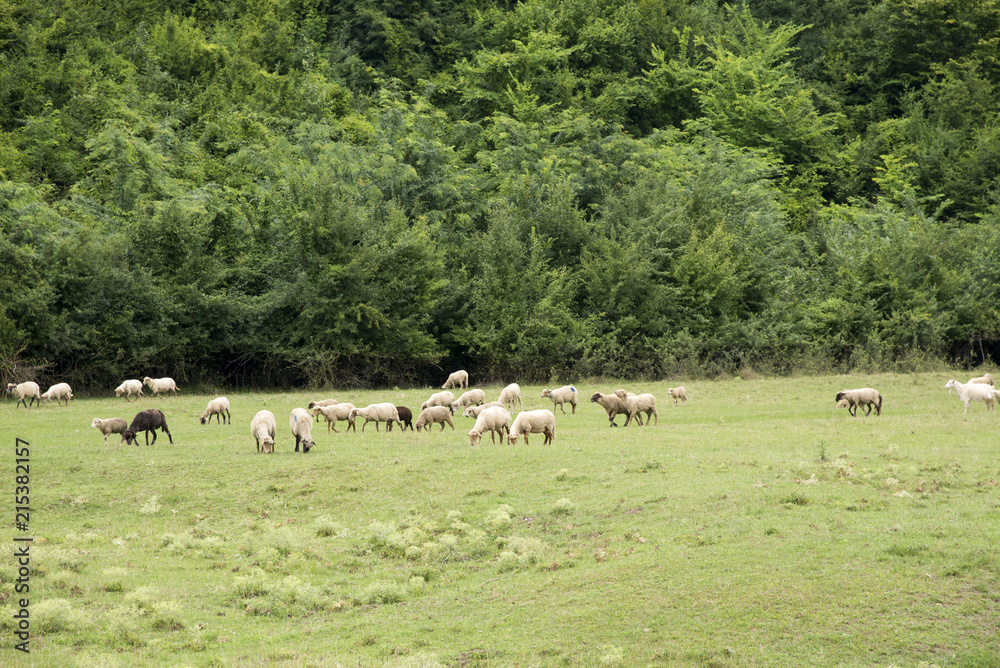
pixel 219 407
pixel 301 423
pixel 970 392
pixel 27 392
pixel 128 388
pixel 157 385
pixel 58 391
pixel 148 420
pixel 110 426
pixel 509 395
pixel 445 399
pixel 864 396
pixel 470 398
pixel 264 428
pixel 376 413
pixel 843 403
pixel 678 394
pixel 321 402
pixel 459 379
pixel 638 403
pixel 435 414
pixel 474 411
pixel 405 418
pixel 533 422
pixel 614 405
pixel 335 412
pixel 985 379
pixel 565 394
pixel 495 420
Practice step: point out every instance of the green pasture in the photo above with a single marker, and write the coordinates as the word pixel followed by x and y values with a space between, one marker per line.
pixel 753 526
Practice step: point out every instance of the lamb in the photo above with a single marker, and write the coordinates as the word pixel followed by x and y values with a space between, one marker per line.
pixel 638 403
pixel 376 413
pixel 157 385
pixel 459 379
pixel 321 402
pixel 470 398
pixel 128 388
pixel 985 379
pixel 27 392
pixel 865 396
pixel 533 422
pixel 301 423
pixel 110 426
pixel 613 404
pixel 678 394
pixel 405 418
pixel 219 407
pixel 564 395
pixel 148 421
pixel 474 411
pixel 509 395
pixel 335 412
pixel 970 392
pixel 433 415
pixel 445 399
pixel 495 420
pixel 58 391
pixel 263 428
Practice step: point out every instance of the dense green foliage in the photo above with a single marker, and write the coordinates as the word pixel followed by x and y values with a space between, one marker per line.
pixel 368 192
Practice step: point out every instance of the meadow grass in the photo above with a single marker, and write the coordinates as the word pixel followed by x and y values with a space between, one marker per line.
pixel 753 526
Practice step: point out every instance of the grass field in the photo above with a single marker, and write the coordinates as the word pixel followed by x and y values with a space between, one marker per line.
pixel 754 526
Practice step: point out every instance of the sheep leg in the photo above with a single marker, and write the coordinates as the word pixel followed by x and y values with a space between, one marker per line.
pixel 298 438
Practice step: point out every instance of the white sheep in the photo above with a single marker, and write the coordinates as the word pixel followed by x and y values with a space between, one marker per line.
pixel 128 388
pixel 384 412
pixel 27 392
pixel 613 405
pixel 58 392
pixel 495 420
pixel 970 392
pixel 157 385
pixel 509 395
pixel 321 402
pixel 566 394
pixel 301 423
pixel 459 379
pixel 474 411
pixel 470 398
pixel 533 422
pixel 335 412
pixel 435 415
pixel 110 426
pixel 264 428
pixel 638 403
pixel 985 379
pixel 445 399
pixel 678 394
pixel 864 396
pixel 219 407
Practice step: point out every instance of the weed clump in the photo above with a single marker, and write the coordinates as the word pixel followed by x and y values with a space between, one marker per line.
pixel 380 593
pixel 57 615
pixel 113 579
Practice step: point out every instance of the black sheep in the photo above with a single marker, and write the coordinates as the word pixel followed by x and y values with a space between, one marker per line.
pixel 405 418
pixel 148 421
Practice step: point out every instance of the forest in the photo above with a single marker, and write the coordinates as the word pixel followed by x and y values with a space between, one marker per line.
pixel 368 193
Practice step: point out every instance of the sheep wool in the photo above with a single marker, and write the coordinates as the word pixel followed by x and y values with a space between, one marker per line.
pixel 147 421
pixel 301 423
pixel 219 407
pixel 157 385
pixel 128 388
pixel 334 413
pixel 509 395
pixel 470 398
pixel 677 394
pixel 59 391
pixel 459 379
pixel 110 426
pixel 27 393
pixel 435 415
pixel 864 396
pixel 533 422
pixel 564 395
pixel 439 399
pixel 495 420
pixel 474 411
pixel 384 412
pixel 639 403
pixel 263 427
pixel 613 405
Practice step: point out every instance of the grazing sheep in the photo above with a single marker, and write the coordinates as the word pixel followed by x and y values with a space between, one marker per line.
pixel 157 385
pixel 301 423
pixel 110 426
pixel 128 388
pixel 985 379
pixel 405 418
pixel 614 405
pixel 27 392
pixel 843 403
pixel 335 412
pixel 459 379
pixel 264 428
pixel 864 396
pixel 219 407
pixel 678 394
pixel 638 403
pixel 148 420
pixel 509 395
pixel 533 422
pixel 384 412
pixel 970 392
pixel 58 391
pixel 433 415
pixel 321 402
pixel 474 411
pixel 470 398
pixel 445 399
pixel 565 394
pixel 495 420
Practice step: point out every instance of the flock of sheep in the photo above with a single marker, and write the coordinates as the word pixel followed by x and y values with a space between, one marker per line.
pixel 493 417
